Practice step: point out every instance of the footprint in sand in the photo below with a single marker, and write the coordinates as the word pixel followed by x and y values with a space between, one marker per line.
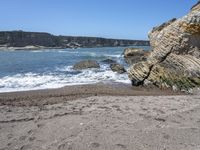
pixel 62 146
pixel 9 136
pixel 30 131
pixel 31 138
pixel 40 125
pixel 22 138
pixel 166 136
pixel 26 147
pixel 160 119
pixel 66 146
pixel 95 145
pixel 180 116
pixel 9 144
pixel 121 146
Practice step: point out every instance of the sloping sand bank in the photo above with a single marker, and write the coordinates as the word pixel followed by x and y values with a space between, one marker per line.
pixel 102 123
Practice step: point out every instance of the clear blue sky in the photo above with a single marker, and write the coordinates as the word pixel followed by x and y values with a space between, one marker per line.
pixel 127 19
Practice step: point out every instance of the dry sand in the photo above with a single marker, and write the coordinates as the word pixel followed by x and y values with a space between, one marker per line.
pixel 101 122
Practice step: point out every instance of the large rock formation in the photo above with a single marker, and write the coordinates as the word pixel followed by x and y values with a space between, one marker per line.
pixel 175 58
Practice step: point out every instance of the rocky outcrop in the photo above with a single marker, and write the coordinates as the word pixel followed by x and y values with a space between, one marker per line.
pixel 38 39
pixel 86 64
pixel 134 55
pixel 175 58
pixel 22 39
pixel 117 68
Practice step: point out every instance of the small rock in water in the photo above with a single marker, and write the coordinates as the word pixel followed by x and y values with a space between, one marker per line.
pixel 117 68
pixel 134 55
pixel 109 61
pixel 86 64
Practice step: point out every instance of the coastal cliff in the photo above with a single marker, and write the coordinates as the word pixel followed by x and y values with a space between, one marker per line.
pixel 175 59
pixel 37 40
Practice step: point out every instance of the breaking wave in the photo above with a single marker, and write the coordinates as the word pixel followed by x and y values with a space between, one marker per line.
pixel 61 77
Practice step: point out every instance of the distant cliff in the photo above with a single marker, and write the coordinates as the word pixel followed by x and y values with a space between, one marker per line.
pixel 39 39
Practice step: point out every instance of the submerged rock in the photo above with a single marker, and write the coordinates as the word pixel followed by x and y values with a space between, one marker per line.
pixel 109 61
pixel 175 59
pixel 86 64
pixel 134 55
pixel 117 68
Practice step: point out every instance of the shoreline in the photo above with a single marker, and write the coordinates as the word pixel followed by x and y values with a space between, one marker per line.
pixel 31 47
pixel 54 96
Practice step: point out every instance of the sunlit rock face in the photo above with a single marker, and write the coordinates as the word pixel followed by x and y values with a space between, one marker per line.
pixel 175 58
pixel 134 55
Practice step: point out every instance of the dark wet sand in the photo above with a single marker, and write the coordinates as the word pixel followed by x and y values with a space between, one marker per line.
pixel 53 96
pixel 99 117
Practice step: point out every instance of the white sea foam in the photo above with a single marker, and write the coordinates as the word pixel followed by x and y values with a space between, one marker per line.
pixel 45 50
pixel 65 68
pixel 33 81
pixel 46 75
pixel 36 51
pixel 117 55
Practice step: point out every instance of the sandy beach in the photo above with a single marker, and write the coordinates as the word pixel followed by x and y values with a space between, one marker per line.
pixel 104 117
pixel 85 75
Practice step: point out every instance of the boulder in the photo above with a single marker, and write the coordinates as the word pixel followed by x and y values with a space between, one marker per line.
pixel 175 59
pixel 134 55
pixel 86 64
pixel 117 68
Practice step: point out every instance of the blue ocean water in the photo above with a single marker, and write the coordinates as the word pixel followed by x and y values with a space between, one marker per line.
pixel 43 69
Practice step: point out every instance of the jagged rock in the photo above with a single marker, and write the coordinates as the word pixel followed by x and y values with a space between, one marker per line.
pixel 117 68
pixel 159 28
pixel 196 4
pixel 134 55
pixel 108 61
pixel 175 58
pixel 86 64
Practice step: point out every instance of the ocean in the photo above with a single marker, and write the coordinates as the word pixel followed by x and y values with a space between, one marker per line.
pixel 24 70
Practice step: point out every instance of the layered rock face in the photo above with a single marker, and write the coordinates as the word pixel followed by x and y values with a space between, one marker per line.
pixel 175 58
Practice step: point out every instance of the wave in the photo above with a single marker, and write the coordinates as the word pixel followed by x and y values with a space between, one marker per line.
pixel 34 81
pixel 36 51
pixel 116 55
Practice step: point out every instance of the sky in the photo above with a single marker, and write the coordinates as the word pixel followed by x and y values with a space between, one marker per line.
pixel 122 19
